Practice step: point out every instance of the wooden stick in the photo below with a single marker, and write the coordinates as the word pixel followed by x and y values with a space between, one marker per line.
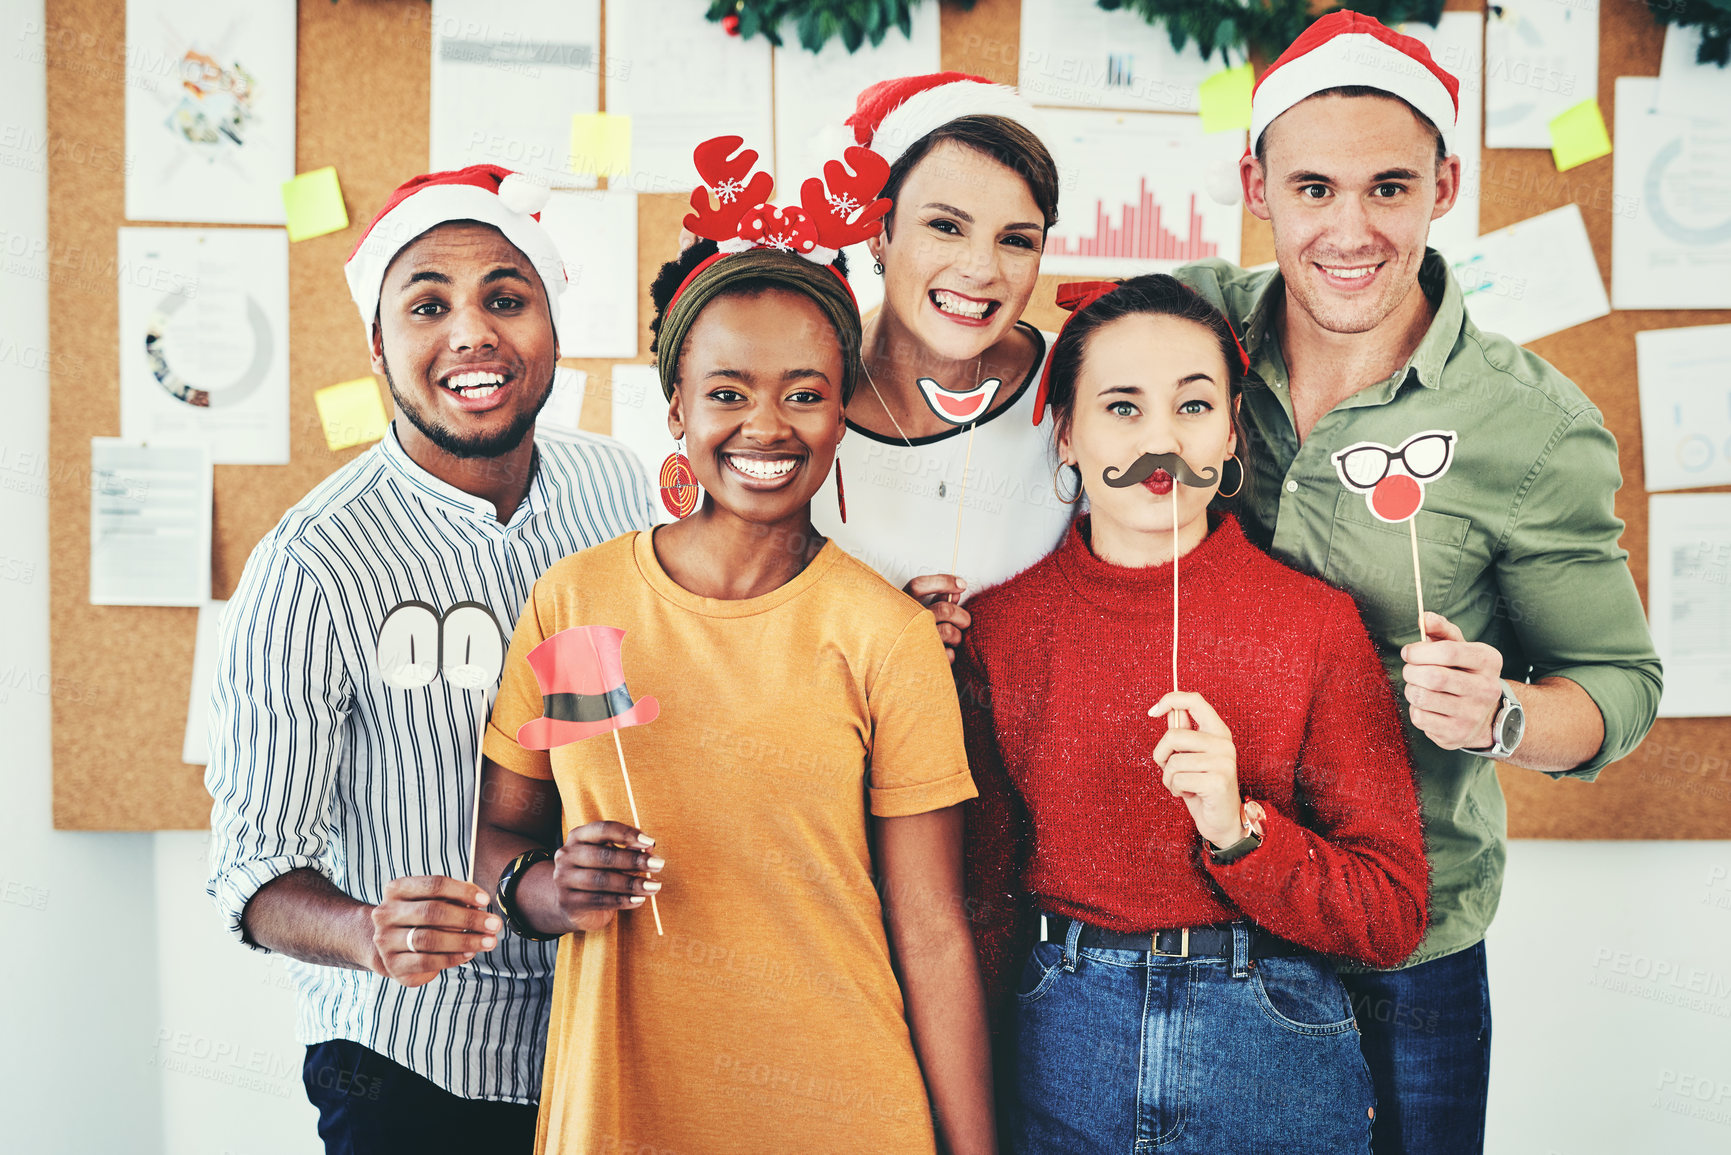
pixel 1178 719
pixel 1417 585
pixel 475 818
pixel 962 501
pixel 635 821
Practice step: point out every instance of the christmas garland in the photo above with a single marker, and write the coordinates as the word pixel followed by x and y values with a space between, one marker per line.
pixel 1264 26
pixel 1713 17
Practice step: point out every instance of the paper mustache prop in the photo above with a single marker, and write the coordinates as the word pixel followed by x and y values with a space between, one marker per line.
pixel 960 408
pixel 1392 481
pixel 582 679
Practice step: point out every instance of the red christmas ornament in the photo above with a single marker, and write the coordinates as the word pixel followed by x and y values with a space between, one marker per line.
pixel 730 23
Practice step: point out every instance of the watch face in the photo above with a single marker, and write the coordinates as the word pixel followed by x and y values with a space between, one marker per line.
pixel 1514 723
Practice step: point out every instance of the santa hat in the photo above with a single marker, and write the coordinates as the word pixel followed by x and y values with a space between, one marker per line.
pixel 893 115
pixel 508 201
pixel 1344 49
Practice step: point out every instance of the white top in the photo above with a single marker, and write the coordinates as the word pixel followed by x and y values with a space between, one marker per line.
pixel 902 497
pixel 355 661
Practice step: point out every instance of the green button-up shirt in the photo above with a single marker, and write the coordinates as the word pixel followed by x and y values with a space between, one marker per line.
pixel 1517 546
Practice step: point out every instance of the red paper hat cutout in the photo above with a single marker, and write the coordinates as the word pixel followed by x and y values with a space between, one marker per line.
pixel 582 680
pixel 1392 479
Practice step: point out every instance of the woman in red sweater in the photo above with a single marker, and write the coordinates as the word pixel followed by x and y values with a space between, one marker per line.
pixel 1167 870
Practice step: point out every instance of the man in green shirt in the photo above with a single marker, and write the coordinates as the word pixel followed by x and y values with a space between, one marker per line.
pixel 1536 651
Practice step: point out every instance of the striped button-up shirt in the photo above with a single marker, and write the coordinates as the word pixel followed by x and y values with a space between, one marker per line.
pixel 356 664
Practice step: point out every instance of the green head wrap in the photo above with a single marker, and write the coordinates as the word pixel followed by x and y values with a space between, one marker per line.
pixel 764 268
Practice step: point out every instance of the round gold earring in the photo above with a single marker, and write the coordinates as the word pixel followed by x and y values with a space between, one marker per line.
pixel 1078 495
pixel 1240 487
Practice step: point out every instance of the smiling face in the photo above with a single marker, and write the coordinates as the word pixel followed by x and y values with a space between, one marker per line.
pixel 758 402
pixel 1149 384
pixel 961 251
pixel 1350 185
pixel 465 340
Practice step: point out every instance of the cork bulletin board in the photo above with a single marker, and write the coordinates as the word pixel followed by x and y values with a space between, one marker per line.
pixel 121 674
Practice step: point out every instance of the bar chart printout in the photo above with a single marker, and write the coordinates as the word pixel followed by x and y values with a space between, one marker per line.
pixel 1131 197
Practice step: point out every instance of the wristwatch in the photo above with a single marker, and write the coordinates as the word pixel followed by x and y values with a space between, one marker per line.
pixel 1507 726
pixel 1252 815
pixel 507 892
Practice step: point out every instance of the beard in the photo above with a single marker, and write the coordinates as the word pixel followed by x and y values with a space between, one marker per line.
pixel 476 445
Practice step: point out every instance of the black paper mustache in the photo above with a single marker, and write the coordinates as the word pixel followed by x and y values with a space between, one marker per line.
pixel 1143 468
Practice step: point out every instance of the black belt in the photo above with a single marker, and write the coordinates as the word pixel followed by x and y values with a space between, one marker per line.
pixel 1175 942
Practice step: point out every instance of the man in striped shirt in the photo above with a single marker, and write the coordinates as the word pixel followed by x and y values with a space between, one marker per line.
pixel 357 662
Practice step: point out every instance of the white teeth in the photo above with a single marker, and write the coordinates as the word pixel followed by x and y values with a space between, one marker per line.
pixel 474 381
pixel 950 303
pixel 1350 274
pixel 761 469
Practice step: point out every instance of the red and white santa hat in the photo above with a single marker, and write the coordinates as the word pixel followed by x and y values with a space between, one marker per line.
pixel 893 115
pixel 1344 49
pixel 509 201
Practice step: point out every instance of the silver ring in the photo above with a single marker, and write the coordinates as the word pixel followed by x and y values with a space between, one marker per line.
pixel 412 931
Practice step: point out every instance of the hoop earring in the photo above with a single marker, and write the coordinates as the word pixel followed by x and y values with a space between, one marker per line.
pixel 1078 494
pixel 878 268
pixel 1240 486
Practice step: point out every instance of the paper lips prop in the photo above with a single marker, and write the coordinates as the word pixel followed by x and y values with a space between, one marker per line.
pixel 1392 480
pixel 582 680
pixel 959 408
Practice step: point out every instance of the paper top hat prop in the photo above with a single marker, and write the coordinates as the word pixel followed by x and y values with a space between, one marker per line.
pixel 730 206
pixel 582 680
pixel 1392 479
pixel 894 115
pixel 509 201
pixel 959 408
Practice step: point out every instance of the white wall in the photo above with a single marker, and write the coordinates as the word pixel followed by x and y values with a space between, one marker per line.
pixel 132 1025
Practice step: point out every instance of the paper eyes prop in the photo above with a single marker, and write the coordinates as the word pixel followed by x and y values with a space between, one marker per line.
pixel 417 643
pixel 963 407
pixel 1149 464
pixel 1392 479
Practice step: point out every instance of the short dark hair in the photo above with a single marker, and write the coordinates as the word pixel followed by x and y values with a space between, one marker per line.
pixel 1442 148
pixel 1010 144
pixel 1153 294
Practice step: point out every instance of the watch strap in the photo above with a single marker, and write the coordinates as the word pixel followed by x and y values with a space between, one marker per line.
pixel 507 892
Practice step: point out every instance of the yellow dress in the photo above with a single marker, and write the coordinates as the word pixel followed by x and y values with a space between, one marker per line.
pixel 767 1018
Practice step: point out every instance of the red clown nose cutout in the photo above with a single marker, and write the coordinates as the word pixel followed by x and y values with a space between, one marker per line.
pixel 1396 497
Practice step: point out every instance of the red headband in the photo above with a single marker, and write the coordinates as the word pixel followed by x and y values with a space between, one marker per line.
pixel 1075 297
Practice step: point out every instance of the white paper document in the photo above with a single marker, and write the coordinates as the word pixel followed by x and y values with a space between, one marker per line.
pixel 507 78
pixel 1688 88
pixel 723 88
pixel 816 92
pixel 1541 59
pixel 597 236
pixel 1076 54
pixel 210 110
pixel 1456 43
pixel 1134 199
pixel 149 524
pixel 204 352
pixel 1685 382
pixel 1689 600
pixel 1671 198
pixel 1534 278
pixel 640 420
pixel 195 746
pixel 563 413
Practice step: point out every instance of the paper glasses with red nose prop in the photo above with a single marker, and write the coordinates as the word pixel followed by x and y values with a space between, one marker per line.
pixel 1392 481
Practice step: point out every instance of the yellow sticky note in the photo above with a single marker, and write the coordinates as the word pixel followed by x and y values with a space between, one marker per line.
pixel 600 143
pixel 1225 99
pixel 1578 135
pixel 313 203
pixel 351 413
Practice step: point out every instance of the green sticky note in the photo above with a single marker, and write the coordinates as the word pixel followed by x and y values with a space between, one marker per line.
pixel 600 143
pixel 1225 99
pixel 313 203
pixel 351 413
pixel 1578 135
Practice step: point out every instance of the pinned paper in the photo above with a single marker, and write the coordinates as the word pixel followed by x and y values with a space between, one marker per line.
pixel 351 413
pixel 1578 135
pixel 313 204
pixel 1224 99
pixel 600 143
pixel 1392 482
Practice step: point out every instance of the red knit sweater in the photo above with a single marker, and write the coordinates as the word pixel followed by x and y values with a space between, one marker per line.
pixel 1056 675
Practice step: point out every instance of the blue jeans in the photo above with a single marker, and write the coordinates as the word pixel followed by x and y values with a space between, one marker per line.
pixel 369 1105
pixel 1427 1038
pixel 1127 1052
